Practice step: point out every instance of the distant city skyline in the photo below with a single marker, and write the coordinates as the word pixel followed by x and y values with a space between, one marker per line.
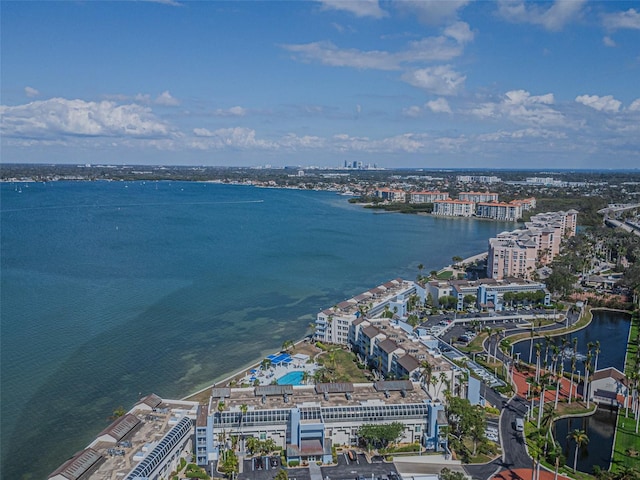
pixel 419 84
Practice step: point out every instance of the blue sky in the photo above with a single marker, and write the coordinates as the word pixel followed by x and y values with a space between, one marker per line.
pixel 432 84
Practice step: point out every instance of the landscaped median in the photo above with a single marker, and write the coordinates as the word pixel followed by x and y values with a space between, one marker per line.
pixel 582 322
pixel 626 447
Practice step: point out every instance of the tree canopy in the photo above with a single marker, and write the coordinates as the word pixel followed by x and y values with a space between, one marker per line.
pixel 380 435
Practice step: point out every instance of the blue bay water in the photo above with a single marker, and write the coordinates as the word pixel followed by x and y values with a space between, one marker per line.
pixel 110 290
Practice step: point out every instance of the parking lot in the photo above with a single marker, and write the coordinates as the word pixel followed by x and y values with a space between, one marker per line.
pixel 346 469
pixel 360 469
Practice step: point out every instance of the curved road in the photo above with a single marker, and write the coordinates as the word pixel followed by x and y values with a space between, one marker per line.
pixel 514 451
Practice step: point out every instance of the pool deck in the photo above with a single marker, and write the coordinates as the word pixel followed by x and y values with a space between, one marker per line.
pixel 266 377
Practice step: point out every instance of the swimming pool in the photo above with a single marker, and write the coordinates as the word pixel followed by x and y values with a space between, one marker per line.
pixel 291 378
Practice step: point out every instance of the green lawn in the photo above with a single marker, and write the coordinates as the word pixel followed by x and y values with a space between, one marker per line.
pixel 446 275
pixel 626 439
pixel 346 369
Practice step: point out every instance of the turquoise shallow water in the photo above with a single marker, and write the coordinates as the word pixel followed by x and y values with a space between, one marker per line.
pixel 110 290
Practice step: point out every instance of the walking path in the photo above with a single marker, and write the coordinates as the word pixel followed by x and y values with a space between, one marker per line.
pixel 522 386
pixel 525 474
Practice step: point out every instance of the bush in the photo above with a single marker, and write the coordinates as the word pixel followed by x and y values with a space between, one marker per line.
pixel 293 463
pixel 192 474
pixel 412 447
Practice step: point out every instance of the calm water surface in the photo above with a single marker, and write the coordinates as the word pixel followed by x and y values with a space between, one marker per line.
pixel 600 428
pixel 110 290
pixel 610 328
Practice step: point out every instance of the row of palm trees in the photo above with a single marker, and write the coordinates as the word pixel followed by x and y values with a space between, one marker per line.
pixel 545 445
pixel 428 378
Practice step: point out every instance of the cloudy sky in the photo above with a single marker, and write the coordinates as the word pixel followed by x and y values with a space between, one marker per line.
pixel 433 84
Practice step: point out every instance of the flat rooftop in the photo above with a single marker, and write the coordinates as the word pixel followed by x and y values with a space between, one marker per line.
pixel 305 395
pixel 119 458
pixel 376 295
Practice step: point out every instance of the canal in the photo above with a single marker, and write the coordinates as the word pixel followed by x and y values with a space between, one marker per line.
pixel 611 329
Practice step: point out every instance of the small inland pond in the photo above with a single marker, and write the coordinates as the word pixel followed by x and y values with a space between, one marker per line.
pixel 599 428
pixel 611 329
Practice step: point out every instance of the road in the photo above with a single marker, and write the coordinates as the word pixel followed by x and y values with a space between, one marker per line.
pixel 514 452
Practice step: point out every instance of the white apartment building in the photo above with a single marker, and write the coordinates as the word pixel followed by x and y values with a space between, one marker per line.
pixel 453 208
pixel 516 254
pixel 145 443
pixel 306 421
pixel 477 197
pixel 508 212
pixel 427 197
pixel 332 324
pixel 512 254
pixel 391 195
pixel 477 179
pixel 526 203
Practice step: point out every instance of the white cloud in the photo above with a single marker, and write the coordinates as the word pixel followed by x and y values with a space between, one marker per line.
pixel 440 48
pixel 439 105
pixel 602 104
pixel 31 92
pixel 166 99
pixel 635 105
pixel 431 12
pixel 140 98
pixel 619 20
pixel 329 54
pixel 460 31
pixel 62 117
pixel 413 111
pixel 441 80
pixel 521 107
pixel 522 97
pixel 236 137
pixel 236 111
pixel 360 8
pixel 294 142
pixel 521 134
pixel 552 18
pixel 608 42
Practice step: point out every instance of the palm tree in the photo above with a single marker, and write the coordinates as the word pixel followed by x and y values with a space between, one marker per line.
pixel 420 267
pixel 426 373
pixel 489 333
pixel 538 348
pixel 544 381
pixel 305 376
pixel 265 364
pixel 573 371
pixel 443 380
pixel 243 411
pixel 559 376
pixel 534 389
pixel 595 367
pixel 580 438
pixel 587 371
pixel 556 455
pixel 531 345
pixel 547 343
pixel 287 345
pixel 548 417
